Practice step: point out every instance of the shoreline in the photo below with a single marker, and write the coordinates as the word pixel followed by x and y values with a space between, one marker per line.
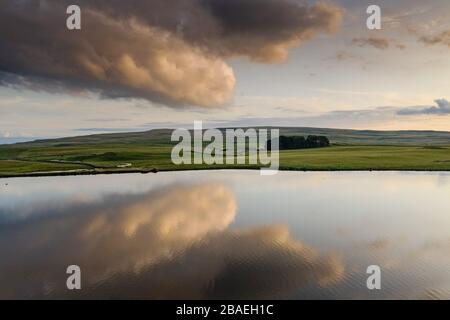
pixel 154 171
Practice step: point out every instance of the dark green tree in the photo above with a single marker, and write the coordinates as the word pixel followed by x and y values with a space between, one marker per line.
pixel 299 142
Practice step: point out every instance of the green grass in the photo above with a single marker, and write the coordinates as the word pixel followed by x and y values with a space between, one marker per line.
pixel 145 158
pixel 149 151
pixel 12 167
pixel 367 158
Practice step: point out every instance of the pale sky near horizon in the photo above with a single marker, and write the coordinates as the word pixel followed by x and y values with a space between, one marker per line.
pixel 397 78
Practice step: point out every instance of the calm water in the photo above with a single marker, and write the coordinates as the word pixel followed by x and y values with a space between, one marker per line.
pixel 227 234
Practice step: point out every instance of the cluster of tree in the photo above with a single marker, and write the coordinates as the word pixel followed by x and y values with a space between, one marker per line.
pixel 299 142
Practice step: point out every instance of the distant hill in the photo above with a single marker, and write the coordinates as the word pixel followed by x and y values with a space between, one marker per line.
pixel 336 136
pixel 11 140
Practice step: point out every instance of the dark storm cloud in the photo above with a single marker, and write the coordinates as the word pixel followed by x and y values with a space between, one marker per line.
pixel 166 51
pixel 442 108
pixel 264 30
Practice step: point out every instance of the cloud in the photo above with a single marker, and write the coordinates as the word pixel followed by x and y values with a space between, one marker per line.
pixel 110 129
pixel 442 108
pixel 265 30
pixel 378 43
pixel 175 243
pixel 170 52
pixel 442 38
pixel 381 118
pixel 116 58
pixel 343 55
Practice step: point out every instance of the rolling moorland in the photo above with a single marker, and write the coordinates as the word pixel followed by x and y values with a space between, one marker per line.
pixel 150 152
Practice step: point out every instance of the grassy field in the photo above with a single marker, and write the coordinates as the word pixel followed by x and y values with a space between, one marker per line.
pixel 367 158
pixel 150 151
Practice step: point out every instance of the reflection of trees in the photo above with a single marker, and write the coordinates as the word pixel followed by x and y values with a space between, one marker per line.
pixel 173 243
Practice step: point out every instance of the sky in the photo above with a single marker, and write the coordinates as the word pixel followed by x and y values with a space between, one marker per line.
pixel 146 64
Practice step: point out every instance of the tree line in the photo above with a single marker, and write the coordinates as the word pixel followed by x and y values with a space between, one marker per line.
pixel 300 142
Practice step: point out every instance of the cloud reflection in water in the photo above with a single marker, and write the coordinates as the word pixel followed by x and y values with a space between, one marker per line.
pixel 165 244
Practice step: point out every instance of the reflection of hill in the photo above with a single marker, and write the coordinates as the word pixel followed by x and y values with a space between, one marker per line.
pixel 172 243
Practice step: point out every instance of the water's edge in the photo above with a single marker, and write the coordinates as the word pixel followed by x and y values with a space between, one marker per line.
pixel 118 172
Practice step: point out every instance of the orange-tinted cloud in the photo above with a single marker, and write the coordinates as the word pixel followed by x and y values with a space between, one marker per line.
pixel 172 52
pixel 442 38
pixel 381 43
pixel 165 244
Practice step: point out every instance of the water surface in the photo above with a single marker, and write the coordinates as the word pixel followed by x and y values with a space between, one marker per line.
pixel 227 234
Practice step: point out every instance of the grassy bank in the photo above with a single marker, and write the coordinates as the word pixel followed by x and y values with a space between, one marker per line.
pixel 150 151
pixel 17 160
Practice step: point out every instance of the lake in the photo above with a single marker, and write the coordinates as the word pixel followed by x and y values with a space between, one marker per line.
pixel 227 235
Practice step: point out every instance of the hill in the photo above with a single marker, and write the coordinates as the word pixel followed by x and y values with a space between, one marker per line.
pixel 336 136
pixel 150 151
